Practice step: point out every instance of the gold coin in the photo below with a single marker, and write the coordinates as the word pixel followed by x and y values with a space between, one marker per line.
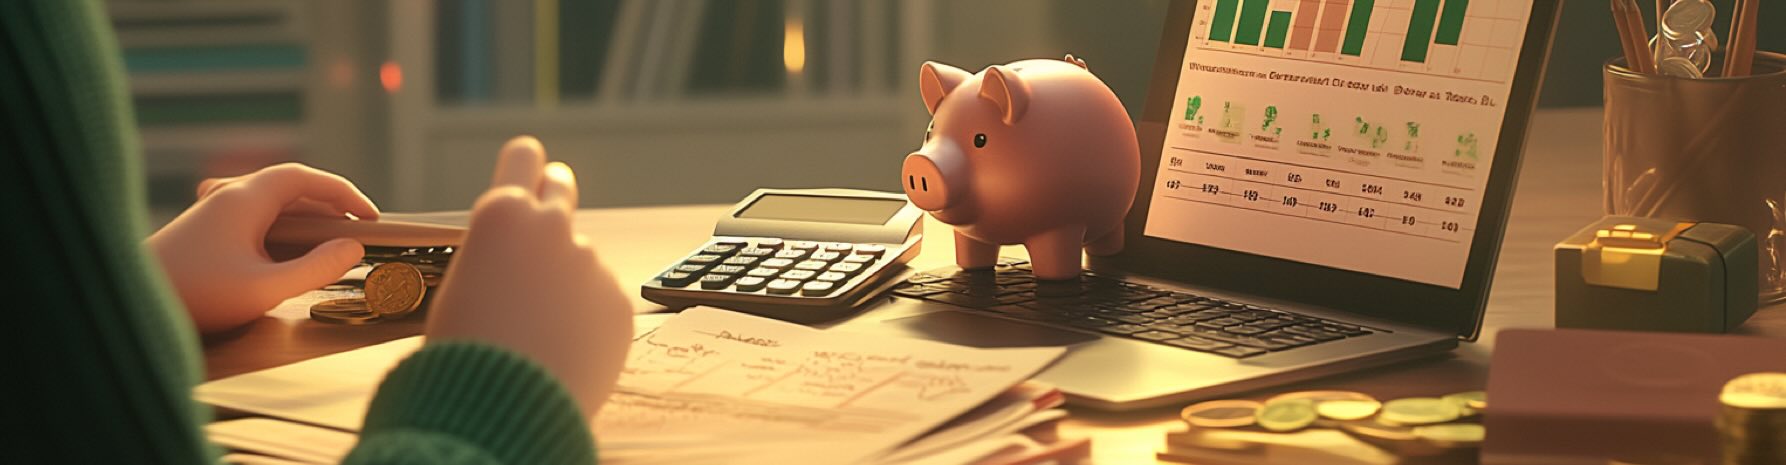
pixel 1418 411
pixel 1468 403
pixel 394 289
pixel 340 305
pixel 1455 435
pixel 1347 409
pixel 1756 391
pixel 345 318
pixel 1220 413
pixel 1378 431
pixel 1321 396
pixel 1286 416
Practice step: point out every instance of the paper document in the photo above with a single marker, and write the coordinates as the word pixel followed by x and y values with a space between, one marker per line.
pixel 747 379
pixel 710 385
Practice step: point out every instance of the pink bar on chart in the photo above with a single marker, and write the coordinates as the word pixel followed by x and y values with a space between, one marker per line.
pixel 1304 27
pixel 1332 21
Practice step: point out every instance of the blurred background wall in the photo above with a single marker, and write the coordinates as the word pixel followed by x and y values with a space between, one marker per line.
pixel 652 101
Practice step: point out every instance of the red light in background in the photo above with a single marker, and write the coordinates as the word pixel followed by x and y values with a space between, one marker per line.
pixel 391 75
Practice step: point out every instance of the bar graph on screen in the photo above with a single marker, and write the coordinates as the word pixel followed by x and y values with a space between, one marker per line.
pixel 1471 39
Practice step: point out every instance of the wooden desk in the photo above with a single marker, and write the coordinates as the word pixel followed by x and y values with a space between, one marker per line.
pixel 1559 192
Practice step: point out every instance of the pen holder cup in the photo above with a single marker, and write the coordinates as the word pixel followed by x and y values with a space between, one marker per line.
pixel 1706 150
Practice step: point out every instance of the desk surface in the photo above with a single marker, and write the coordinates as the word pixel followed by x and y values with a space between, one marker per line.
pixel 1559 191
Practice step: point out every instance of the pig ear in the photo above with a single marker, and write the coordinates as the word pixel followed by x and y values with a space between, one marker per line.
pixel 935 80
pixel 1007 91
pixel 1077 61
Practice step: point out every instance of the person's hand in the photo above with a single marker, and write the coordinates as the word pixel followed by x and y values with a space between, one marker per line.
pixel 525 281
pixel 215 254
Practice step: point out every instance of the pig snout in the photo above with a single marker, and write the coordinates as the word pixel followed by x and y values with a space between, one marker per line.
pixel 931 181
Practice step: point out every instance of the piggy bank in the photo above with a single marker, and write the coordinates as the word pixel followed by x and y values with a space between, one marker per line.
pixel 1036 152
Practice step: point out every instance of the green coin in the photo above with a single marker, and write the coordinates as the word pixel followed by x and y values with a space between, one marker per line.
pixel 1452 435
pixel 1418 411
pixel 1469 402
pixel 1286 416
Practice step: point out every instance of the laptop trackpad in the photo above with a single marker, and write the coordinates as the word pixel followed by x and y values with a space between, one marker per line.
pixel 985 332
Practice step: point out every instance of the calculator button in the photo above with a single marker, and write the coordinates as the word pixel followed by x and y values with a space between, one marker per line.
pixel 777 263
pixel 720 249
pixel 871 249
pixel 783 286
pixel 812 265
pixel 799 275
pixel 691 269
pixel 704 260
pixel 764 272
pixel 770 243
pixel 832 276
pixel 827 256
pixel 758 252
pixel 742 261
pixel 793 254
pixel 847 268
pixel 676 279
pixel 750 284
pixel 859 259
pixel 717 281
pixel 728 269
pixel 803 245
pixel 839 247
pixel 817 288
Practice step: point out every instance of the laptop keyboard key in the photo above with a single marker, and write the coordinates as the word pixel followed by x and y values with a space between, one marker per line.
pixel 1239 352
pixel 1244 330
pixel 1123 329
pixel 1154 335
pixel 1197 343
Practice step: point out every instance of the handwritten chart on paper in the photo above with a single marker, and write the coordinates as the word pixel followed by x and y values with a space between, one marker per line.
pixel 749 380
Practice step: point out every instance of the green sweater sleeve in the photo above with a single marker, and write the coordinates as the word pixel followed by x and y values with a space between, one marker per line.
pixel 102 357
pixel 462 402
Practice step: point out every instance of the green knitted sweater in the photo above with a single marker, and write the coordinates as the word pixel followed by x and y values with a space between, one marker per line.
pixel 100 358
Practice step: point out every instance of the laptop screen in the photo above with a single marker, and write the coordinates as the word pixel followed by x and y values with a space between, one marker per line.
pixel 1350 134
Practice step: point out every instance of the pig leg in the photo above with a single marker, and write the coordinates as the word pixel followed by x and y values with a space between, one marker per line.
pixel 1055 254
pixel 1108 244
pixel 971 254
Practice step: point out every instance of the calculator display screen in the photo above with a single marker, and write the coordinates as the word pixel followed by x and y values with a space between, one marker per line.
pixel 853 210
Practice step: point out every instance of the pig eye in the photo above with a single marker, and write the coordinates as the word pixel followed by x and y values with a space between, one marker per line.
pixel 979 141
pixel 928 129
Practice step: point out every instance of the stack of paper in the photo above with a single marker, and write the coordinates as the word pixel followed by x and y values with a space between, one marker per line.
pixel 715 386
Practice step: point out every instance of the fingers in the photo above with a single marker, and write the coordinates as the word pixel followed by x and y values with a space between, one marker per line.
pixel 209 185
pixel 278 186
pixel 519 164
pixel 321 266
pixel 559 188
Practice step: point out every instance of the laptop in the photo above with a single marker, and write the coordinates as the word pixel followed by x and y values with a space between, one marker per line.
pixel 1325 185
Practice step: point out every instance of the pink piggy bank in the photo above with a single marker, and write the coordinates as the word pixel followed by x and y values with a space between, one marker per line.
pixel 1036 152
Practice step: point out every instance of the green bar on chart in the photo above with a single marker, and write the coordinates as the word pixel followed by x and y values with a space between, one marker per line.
pixel 1224 20
pixel 1277 29
pixel 1451 22
pixel 1420 30
pixel 1356 25
pixel 1252 22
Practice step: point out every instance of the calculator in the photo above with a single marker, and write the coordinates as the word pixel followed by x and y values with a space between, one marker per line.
pixel 802 255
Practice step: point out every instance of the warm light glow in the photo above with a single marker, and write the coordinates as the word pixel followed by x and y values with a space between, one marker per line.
pixel 793 47
pixel 391 75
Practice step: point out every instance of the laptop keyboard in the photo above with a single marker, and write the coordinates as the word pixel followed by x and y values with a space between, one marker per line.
pixel 1119 308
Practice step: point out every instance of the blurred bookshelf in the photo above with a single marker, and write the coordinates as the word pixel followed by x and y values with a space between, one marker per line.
pixel 217 87
pixel 657 101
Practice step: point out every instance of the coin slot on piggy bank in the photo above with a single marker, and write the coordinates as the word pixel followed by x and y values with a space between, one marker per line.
pixel 1038 153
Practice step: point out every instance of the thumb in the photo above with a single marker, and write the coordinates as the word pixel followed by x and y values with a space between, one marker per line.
pixel 321 266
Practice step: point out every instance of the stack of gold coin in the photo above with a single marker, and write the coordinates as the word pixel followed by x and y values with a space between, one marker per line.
pixel 393 290
pixel 1425 425
pixel 1752 424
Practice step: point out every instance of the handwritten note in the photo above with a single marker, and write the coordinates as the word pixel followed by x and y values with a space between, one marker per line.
pixel 758 383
